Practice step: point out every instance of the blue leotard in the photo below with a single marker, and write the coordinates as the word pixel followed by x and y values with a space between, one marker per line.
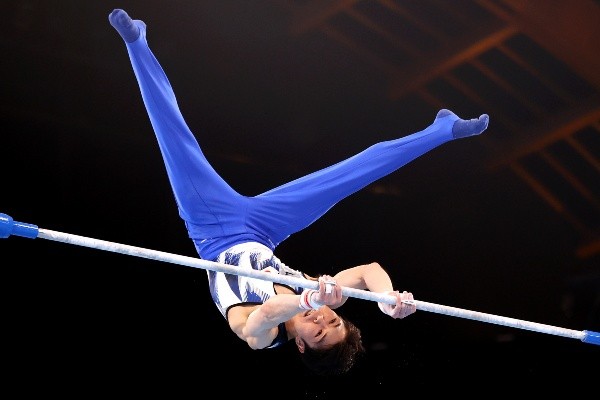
pixel 216 216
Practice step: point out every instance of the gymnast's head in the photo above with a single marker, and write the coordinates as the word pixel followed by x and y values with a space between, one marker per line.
pixel 329 345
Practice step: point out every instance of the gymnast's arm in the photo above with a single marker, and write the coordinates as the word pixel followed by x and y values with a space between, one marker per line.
pixel 374 278
pixel 259 326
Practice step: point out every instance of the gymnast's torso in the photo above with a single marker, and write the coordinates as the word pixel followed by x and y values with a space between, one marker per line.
pixel 229 291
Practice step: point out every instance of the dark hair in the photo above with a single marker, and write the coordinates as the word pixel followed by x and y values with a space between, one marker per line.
pixel 339 358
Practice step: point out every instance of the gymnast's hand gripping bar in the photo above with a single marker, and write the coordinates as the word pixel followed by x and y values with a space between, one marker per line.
pixel 9 227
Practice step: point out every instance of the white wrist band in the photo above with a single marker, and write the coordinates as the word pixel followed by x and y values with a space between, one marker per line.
pixel 306 300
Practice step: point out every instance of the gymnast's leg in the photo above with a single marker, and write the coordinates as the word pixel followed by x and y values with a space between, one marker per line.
pixel 292 207
pixel 212 209
pixel 207 204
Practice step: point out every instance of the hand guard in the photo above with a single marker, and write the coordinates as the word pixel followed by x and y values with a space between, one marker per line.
pixel 387 308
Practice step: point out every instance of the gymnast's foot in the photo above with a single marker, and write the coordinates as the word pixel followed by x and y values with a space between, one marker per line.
pixel 466 127
pixel 123 23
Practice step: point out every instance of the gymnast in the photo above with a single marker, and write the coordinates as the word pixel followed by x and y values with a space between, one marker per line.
pixel 229 228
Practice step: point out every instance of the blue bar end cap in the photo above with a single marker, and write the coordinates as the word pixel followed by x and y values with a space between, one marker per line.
pixel 9 227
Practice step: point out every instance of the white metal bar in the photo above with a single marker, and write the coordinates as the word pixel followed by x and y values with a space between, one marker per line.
pixel 295 281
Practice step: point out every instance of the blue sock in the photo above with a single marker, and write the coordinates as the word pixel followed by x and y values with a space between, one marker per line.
pixel 124 25
pixel 464 128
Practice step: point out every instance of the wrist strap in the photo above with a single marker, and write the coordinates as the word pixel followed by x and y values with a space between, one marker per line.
pixel 306 300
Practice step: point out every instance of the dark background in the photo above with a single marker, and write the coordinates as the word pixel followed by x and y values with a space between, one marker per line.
pixel 505 223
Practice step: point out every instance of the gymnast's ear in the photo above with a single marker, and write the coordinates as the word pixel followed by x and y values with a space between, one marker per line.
pixel 300 344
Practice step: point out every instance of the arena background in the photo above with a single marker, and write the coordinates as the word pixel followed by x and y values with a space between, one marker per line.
pixel 506 223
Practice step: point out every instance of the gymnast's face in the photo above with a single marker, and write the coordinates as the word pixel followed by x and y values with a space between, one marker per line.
pixel 319 329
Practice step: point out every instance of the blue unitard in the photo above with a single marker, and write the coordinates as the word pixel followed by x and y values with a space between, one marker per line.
pixel 216 216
